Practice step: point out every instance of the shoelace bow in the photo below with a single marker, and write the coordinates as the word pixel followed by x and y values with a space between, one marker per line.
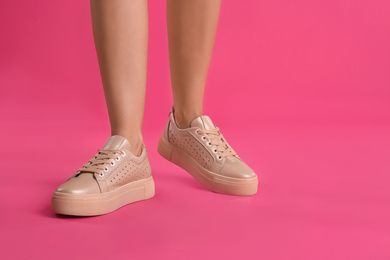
pixel 98 164
pixel 214 137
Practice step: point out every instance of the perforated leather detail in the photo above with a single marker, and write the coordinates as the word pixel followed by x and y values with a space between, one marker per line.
pixel 130 172
pixel 191 146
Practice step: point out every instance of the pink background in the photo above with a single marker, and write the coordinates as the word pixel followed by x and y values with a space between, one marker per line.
pixel 299 88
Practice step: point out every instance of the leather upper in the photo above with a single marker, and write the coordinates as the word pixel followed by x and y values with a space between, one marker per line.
pixel 122 168
pixel 198 146
pixel 83 184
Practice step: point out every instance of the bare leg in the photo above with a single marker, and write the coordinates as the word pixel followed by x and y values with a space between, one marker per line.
pixel 120 29
pixel 192 26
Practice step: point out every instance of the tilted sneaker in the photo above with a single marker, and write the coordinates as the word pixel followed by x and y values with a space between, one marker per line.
pixel 113 178
pixel 203 152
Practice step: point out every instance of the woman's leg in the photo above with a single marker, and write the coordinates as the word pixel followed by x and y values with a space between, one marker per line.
pixel 192 26
pixel 120 29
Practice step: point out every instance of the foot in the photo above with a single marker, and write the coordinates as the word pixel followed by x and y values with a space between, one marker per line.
pixel 203 152
pixel 113 178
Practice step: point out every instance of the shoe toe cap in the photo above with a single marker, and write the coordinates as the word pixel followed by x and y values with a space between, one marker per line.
pixel 82 184
pixel 236 168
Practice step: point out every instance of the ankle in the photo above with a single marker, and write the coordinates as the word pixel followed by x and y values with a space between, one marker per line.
pixel 135 140
pixel 136 146
pixel 183 117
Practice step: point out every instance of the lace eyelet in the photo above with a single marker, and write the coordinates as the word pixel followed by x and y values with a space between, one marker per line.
pixel 112 163
pixel 203 138
pixel 117 158
pixel 215 150
pixel 197 131
pixel 101 174
pixel 106 169
pixel 89 163
pixel 123 153
pixel 209 144
pixel 219 158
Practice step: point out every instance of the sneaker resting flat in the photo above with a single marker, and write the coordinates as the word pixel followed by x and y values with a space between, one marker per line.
pixel 114 177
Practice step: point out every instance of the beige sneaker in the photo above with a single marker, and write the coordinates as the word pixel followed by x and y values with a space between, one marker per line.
pixel 202 151
pixel 113 178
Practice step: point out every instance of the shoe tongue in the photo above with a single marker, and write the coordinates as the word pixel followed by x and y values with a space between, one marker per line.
pixel 203 122
pixel 116 142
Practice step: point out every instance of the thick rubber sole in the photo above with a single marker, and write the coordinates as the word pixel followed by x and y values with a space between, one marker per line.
pixel 212 181
pixel 103 203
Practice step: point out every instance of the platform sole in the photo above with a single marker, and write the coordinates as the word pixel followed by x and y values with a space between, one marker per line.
pixel 103 203
pixel 212 181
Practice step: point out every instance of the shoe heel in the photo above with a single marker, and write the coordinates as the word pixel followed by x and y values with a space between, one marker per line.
pixel 164 148
pixel 149 189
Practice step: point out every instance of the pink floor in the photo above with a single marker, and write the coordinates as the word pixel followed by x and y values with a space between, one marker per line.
pixel 300 89
pixel 323 194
